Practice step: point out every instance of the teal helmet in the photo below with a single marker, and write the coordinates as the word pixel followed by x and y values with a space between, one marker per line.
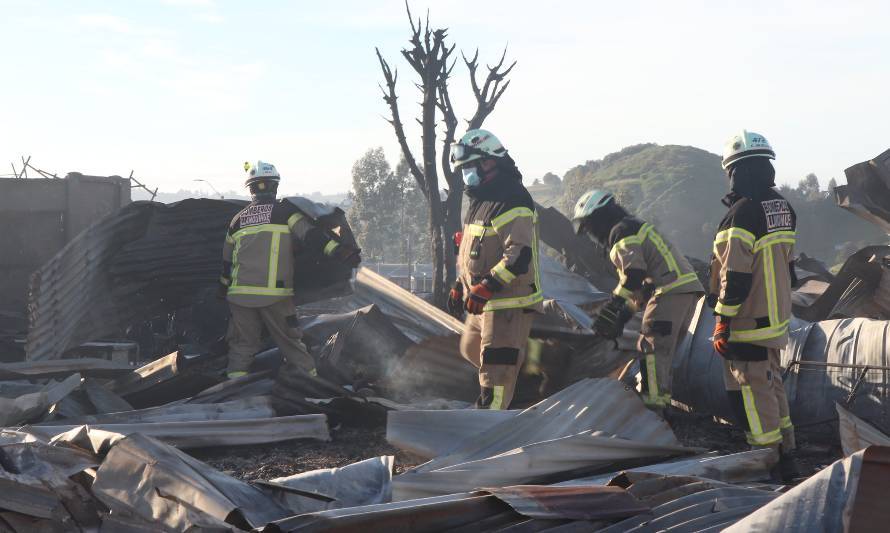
pixel 589 203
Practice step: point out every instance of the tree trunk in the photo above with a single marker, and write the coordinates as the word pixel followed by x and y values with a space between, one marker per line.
pixel 452 224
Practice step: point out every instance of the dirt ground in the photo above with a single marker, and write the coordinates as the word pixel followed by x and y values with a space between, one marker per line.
pixel 264 462
pixel 349 445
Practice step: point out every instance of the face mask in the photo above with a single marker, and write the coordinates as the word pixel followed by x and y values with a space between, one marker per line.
pixel 471 177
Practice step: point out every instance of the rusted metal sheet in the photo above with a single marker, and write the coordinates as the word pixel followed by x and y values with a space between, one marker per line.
pixel 574 503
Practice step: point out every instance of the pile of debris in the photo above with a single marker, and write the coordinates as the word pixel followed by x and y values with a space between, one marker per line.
pixel 91 440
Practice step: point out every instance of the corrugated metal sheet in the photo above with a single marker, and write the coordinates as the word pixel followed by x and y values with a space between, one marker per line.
pixel 573 503
pixel 590 424
pixel 867 192
pixel 857 434
pixel 848 495
pixel 432 433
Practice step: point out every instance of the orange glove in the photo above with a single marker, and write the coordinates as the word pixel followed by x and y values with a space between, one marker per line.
pixel 456 239
pixel 721 336
pixel 479 296
pixel 456 300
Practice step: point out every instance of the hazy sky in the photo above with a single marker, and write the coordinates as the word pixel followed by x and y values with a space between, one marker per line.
pixel 185 89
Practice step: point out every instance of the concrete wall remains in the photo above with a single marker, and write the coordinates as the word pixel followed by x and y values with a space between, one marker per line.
pixel 40 216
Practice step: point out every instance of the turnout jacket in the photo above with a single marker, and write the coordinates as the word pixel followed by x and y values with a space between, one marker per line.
pixel 259 250
pixel 500 242
pixel 751 269
pixel 642 256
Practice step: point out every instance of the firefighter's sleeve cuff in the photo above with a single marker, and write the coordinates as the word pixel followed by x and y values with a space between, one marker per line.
pixel 330 247
pixel 726 310
pixel 623 292
pixel 503 274
pixel 225 281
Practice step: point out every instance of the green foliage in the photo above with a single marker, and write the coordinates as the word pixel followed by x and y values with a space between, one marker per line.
pixel 679 188
pixel 388 211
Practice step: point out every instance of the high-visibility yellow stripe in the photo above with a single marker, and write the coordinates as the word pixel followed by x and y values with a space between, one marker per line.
pixel 275 245
pixel 760 334
pixel 500 304
pixel 330 247
pixel 502 273
pixel 685 279
pixel 476 230
pixel 735 233
pixel 624 293
pixel 785 423
pixel 236 266
pixel 727 310
pixel 769 269
pixel 293 219
pixel 505 218
pixel 662 248
pixel 262 228
pixel 229 239
pixel 751 411
pixel 651 379
pixel 764 439
pixel 233 375
pixel 497 402
pixel 261 291
pixel 779 237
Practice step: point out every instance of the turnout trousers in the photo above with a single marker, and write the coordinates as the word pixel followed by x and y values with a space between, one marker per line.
pixel 665 319
pixel 757 396
pixel 495 342
pixel 245 335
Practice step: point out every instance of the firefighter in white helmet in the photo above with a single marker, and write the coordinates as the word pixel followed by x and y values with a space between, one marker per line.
pixel 499 282
pixel 752 275
pixel 258 271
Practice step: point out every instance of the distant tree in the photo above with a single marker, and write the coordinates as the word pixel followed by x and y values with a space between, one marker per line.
pixel 832 184
pixel 809 189
pixel 536 182
pixel 376 198
pixel 551 179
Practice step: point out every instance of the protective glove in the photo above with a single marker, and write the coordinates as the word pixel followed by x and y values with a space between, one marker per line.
pixel 456 239
pixel 612 317
pixel 721 336
pixel 348 255
pixel 456 300
pixel 711 300
pixel 479 296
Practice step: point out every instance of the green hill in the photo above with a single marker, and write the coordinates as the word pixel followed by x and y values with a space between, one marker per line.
pixel 678 188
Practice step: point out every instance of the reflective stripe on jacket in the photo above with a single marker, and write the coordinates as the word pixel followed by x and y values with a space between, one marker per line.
pixel 637 246
pixel 500 240
pixel 753 249
pixel 259 250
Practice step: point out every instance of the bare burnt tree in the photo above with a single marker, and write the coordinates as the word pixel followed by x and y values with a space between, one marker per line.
pixel 430 57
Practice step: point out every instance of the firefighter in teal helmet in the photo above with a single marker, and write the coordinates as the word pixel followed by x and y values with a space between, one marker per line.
pixel 653 277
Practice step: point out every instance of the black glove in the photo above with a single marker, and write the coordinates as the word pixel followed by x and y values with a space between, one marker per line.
pixel 612 318
pixel 348 255
pixel 711 300
pixel 456 300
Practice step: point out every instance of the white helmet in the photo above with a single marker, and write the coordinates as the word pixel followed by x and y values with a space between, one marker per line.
pixel 260 171
pixel 744 145
pixel 476 144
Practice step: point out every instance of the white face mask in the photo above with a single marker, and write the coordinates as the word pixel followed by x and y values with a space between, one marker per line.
pixel 471 177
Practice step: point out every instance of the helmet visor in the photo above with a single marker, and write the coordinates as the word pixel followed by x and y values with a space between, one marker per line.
pixel 461 153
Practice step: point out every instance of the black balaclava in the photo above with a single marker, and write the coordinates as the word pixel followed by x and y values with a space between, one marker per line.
pixel 750 178
pixel 600 223
pixel 263 190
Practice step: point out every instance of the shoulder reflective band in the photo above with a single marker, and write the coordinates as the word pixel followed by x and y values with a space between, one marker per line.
pixel 779 237
pixel 740 234
pixel 330 247
pixel 502 220
pixel 293 219
pixel 475 230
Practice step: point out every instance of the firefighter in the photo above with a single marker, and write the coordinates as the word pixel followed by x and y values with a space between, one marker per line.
pixel 499 281
pixel 653 276
pixel 258 271
pixel 751 278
